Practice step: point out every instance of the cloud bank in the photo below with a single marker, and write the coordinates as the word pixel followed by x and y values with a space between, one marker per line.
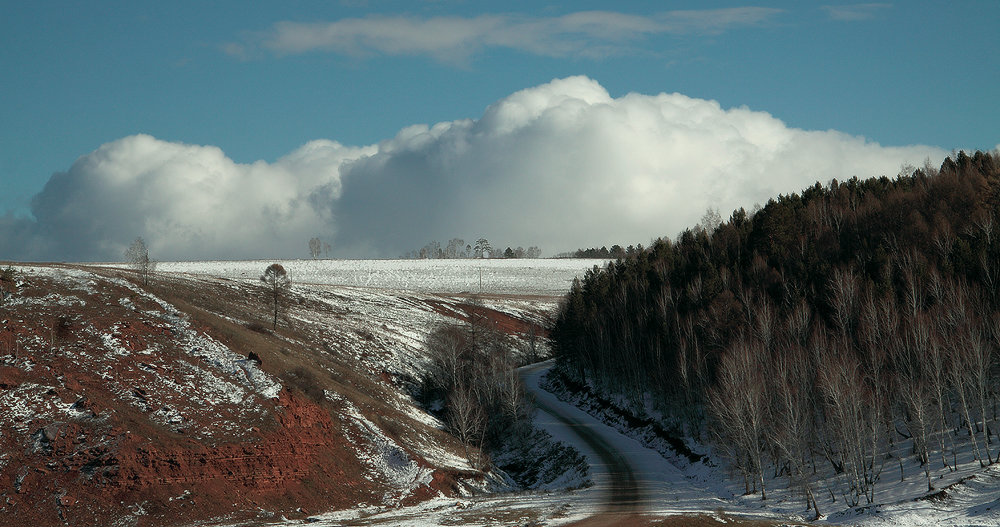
pixel 562 165
pixel 456 39
pixel 187 201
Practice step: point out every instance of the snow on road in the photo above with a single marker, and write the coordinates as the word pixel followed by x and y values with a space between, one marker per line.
pixel 662 488
pixel 667 490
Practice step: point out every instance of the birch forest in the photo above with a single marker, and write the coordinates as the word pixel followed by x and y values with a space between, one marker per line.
pixel 840 330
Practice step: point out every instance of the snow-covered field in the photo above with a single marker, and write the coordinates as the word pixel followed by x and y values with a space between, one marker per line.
pixel 507 276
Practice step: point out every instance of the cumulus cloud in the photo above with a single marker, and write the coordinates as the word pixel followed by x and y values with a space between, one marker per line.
pixel 565 165
pixel 455 39
pixel 188 201
pixel 562 165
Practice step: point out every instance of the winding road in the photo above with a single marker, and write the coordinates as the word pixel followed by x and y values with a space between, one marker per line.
pixel 633 485
pixel 622 498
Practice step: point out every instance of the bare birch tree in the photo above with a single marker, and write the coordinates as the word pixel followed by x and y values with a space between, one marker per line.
pixel 970 360
pixel 137 257
pixel 792 428
pixel 465 417
pixel 739 406
pixel 854 422
pixel 914 386
pixel 843 286
pixel 315 247
pixel 276 280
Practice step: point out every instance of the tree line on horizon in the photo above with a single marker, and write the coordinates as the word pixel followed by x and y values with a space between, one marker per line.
pixel 838 330
pixel 615 252
pixel 457 248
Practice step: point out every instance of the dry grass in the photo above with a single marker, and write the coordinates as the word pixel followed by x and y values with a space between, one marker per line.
pixel 238 315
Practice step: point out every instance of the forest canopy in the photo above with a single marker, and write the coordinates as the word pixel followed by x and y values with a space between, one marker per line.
pixel 806 329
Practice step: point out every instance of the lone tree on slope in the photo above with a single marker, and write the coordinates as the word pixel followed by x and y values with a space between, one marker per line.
pixel 137 257
pixel 276 280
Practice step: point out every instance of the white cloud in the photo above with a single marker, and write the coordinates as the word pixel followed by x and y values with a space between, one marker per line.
pixel 562 165
pixel 456 39
pixel 565 165
pixel 854 12
pixel 188 201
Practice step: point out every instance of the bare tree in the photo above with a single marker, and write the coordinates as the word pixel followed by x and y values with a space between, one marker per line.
pixel 276 280
pixel 800 323
pixel 532 343
pixel 709 221
pixel 738 405
pixel 137 256
pixel 943 237
pixel 990 273
pixel 473 370
pixel 432 250
pixel 455 248
pixel 315 247
pixel 915 288
pixel 971 360
pixel 792 429
pixel 844 299
pixel 447 347
pixel 512 397
pixel 877 331
pixel 854 420
pixel 937 372
pixel 914 386
pixel 984 222
pixel 465 416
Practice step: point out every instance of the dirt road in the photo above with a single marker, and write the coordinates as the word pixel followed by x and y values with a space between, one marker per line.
pixel 614 476
pixel 635 486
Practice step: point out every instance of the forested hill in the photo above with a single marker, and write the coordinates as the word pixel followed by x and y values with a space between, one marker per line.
pixel 881 293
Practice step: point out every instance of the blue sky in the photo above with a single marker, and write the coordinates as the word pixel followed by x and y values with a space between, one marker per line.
pixel 259 81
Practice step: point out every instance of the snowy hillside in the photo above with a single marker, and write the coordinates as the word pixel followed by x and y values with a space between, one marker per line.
pixel 178 400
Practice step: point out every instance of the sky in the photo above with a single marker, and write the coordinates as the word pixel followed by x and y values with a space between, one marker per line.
pixel 227 130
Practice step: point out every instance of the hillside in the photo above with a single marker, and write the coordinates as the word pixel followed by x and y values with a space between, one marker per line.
pixel 825 345
pixel 143 404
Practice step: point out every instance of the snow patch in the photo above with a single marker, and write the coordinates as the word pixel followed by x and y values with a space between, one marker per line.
pixel 388 461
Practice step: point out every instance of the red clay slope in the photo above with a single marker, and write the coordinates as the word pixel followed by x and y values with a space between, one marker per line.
pixel 114 405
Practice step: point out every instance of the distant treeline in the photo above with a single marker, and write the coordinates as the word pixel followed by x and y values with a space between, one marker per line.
pixel 817 335
pixel 615 252
pixel 457 248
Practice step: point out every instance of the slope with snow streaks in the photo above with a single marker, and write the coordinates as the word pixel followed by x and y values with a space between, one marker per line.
pixel 121 405
pixel 133 351
pixel 138 403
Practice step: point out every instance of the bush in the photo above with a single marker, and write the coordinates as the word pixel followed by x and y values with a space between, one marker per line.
pixel 259 328
pixel 306 382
